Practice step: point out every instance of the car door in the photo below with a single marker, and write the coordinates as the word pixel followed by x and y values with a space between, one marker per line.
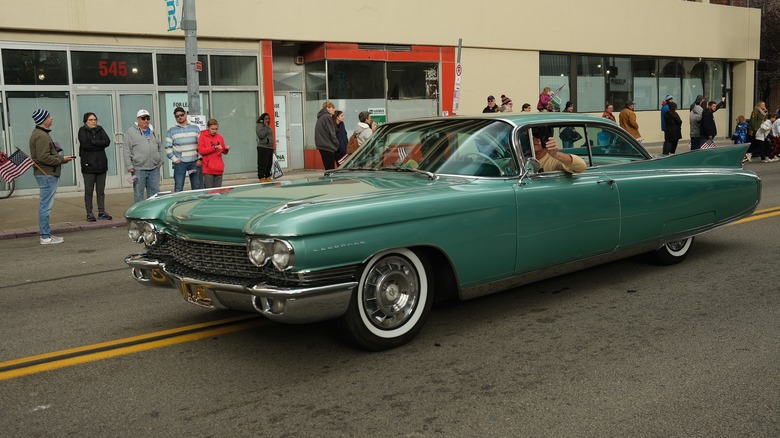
pixel 565 217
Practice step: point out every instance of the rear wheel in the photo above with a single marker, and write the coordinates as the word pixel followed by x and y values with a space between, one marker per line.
pixel 673 252
pixel 391 302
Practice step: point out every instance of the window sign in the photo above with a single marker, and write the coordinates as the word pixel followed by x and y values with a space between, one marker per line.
pixel 112 68
pixel 280 119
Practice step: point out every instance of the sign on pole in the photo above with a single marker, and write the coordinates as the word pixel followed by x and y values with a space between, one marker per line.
pixel 456 98
pixel 173 13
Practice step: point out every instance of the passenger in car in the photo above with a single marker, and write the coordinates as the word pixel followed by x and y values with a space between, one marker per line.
pixel 546 151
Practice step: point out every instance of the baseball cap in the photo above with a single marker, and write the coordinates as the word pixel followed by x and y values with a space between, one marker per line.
pixel 491 97
pixel 629 102
pixel 142 113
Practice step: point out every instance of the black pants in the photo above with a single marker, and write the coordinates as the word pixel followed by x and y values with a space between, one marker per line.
pixel 328 159
pixel 94 182
pixel 264 161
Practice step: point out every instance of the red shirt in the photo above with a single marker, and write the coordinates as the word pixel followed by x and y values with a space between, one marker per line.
pixel 212 157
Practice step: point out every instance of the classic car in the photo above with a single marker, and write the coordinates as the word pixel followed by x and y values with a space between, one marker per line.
pixel 440 208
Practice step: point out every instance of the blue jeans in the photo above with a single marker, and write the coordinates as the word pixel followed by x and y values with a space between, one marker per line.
pixel 48 186
pixel 180 173
pixel 148 180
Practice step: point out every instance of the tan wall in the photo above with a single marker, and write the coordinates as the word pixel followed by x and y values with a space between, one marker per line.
pixel 644 27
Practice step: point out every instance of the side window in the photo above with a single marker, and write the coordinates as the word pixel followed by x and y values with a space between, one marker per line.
pixel 572 139
pixel 611 146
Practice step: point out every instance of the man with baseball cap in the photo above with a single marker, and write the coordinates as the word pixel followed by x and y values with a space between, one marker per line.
pixel 491 105
pixel 143 156
pixel 48 162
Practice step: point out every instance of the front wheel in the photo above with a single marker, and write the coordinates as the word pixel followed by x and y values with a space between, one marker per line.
pixel 673 252
pixel 391 302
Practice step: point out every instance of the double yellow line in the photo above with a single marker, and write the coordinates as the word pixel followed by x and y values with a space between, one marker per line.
pixel 91 353
pixel 759 214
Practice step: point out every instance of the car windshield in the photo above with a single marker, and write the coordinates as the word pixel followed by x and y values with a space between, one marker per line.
pixel 478 147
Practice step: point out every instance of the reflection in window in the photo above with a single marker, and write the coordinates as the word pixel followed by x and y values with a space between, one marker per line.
pixel 35 67
pixel 645 94
pixel 554 72
pixel 233 70
pixel 356 80
pixel 620 85
pixel 235 110
pixel 412 80
pixel 172 70
pixel 670 79
pixel 591 83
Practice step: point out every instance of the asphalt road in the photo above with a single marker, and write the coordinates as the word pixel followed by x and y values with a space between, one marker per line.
pixel 625 349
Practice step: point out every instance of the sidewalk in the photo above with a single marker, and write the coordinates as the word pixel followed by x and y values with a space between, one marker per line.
pixel 19 214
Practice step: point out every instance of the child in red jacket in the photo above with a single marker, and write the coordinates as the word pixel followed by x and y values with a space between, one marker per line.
pixel 211 146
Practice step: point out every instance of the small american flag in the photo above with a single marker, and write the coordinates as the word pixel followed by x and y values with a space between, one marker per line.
pixel 13 166
pixel 402 153
pixel 709 144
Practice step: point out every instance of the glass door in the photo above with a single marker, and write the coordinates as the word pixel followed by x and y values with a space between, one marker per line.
pixel 115 113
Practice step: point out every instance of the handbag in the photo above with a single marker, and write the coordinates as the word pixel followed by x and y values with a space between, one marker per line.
pixel 353 144
pixel 276 168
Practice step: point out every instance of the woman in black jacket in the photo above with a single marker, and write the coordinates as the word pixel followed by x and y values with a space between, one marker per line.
pixel 93 142
pixel 673 132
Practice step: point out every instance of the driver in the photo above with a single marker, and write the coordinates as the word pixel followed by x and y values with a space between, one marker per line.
pixel 546 151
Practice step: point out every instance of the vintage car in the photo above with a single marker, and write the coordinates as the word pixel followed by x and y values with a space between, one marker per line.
pixel 454 207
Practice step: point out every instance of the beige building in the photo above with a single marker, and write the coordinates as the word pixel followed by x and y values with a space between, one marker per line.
pixel 395 59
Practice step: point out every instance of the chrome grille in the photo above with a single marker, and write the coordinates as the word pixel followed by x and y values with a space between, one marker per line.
pixel 230 263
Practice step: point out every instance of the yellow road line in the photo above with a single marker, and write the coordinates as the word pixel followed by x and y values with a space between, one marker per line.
pixel 758 215
pixel 126 340
pixel 92 357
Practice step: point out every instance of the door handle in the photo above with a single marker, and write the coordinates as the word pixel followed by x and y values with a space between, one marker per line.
pixel 610 181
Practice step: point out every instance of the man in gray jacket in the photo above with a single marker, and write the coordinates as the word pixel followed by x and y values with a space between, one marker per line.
pixel 325 135
pixel 695 119
pixel 143 157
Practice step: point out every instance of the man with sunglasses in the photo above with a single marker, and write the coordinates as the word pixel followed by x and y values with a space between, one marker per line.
pixel 181 147
pixel 143 156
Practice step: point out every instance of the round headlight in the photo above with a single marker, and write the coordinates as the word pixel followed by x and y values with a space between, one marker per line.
pixel 283 255
pixel 134 231
pixel 149 234
pixel 258 252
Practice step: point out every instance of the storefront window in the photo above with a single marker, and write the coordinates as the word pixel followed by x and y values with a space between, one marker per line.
pixel 591 84
pixel 645 84
pixel 670 73
pixel 233 70
pixel 554 72
pixel 112 68
pixel 619 85
pixel 356 80
pixel 236 113
pixel 35 67
pixel 21 105
pixel 412 80
pixel 172 70
pixel 288 81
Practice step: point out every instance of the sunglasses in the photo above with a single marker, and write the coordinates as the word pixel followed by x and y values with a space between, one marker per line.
pixel 144 117
pixel 180 115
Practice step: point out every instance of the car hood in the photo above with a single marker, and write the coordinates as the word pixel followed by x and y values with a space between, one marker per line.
pixel 290 207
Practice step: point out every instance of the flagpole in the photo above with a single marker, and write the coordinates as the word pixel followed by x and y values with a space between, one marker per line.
pixel 34 163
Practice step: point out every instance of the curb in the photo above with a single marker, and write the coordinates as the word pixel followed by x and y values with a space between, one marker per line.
pixel 63 227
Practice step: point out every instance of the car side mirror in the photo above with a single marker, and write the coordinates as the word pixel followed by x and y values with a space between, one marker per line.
pixel 532 166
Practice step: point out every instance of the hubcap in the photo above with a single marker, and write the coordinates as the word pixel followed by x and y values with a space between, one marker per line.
pixel 391 292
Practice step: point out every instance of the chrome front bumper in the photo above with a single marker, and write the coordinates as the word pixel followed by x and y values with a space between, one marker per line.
pixel 289 305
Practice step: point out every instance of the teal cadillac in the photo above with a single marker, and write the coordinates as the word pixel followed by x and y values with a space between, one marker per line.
pixel 436 208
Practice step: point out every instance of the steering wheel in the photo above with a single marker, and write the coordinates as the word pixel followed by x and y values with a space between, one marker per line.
pixel 480 154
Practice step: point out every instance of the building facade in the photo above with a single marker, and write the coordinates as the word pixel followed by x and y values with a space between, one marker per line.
pixel 396 60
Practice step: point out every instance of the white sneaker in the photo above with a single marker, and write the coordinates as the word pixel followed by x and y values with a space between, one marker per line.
pixel 51 240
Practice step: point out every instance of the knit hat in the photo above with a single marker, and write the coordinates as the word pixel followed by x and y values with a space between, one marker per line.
pixel 39 116
pixel 505 100
pixel 668 97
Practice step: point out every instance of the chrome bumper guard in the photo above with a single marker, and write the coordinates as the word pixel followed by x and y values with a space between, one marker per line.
pixel 289 305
